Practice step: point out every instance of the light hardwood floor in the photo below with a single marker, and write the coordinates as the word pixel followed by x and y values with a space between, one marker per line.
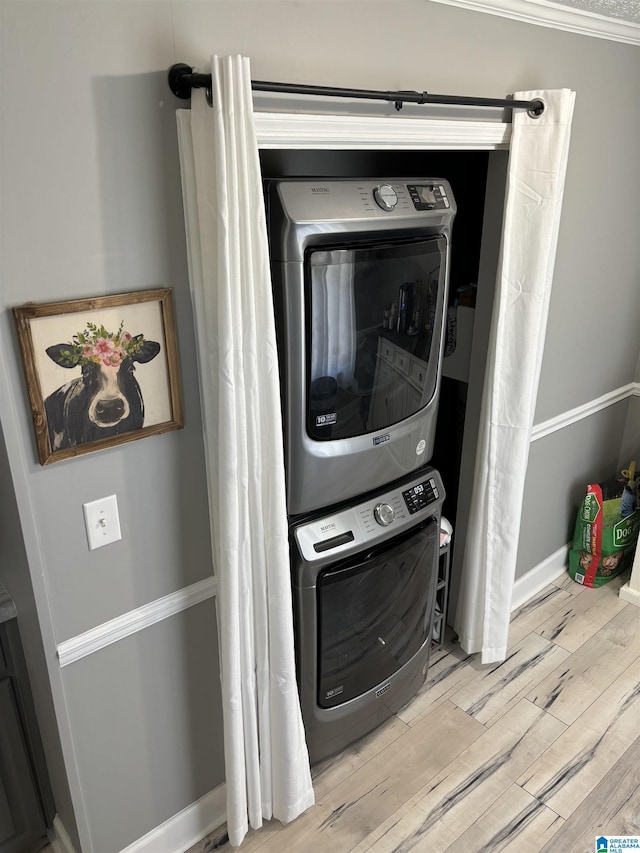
pixel 538 753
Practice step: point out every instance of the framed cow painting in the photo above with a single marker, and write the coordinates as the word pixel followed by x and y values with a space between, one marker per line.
pixel 100 371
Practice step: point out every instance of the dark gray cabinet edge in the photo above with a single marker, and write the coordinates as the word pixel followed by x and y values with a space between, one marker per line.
pixel 17 671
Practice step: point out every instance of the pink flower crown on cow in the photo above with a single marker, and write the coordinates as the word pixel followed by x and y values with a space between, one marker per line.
pixel 97 346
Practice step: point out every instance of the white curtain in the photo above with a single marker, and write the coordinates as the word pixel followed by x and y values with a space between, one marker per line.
pixel 333 323
pixel 266 759
pixel 535 184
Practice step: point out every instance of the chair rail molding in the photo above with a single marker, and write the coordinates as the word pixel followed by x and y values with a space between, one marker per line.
pixel 572 416
pixel 133 621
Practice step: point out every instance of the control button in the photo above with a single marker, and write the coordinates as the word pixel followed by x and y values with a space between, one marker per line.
pixel 384 514
pixel 385 197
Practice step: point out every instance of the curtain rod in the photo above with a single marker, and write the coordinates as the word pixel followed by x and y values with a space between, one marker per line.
pixel 182 79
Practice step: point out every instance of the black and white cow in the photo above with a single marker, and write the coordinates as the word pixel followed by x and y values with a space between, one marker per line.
pixel 103 402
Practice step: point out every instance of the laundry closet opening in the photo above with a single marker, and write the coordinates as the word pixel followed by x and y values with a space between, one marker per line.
pixel 477 179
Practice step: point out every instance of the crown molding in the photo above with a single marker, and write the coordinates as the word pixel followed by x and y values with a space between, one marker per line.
pixel 547 14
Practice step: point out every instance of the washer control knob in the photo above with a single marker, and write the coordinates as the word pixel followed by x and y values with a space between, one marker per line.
pixel 385 197
pixel 384 514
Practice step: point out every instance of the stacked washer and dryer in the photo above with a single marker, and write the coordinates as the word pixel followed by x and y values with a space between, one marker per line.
pixel 360 274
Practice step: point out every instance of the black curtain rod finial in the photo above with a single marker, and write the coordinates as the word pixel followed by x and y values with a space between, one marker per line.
pixel 180 80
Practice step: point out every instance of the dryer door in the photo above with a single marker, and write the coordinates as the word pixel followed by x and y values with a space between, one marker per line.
pixel 374 613
pixel 374 316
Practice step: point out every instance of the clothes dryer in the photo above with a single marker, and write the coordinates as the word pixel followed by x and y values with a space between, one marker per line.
pixel 360 274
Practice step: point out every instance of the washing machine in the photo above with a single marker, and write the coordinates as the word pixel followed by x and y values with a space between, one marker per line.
pixel 364 580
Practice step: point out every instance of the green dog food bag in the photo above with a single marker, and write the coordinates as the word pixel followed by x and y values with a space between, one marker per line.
pixel 603 540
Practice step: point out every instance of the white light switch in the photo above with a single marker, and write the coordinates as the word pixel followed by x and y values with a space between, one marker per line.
pixel 102 522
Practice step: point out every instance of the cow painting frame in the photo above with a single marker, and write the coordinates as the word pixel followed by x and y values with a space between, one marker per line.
pixel 101 371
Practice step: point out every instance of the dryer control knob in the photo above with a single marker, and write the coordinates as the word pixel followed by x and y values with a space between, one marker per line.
pixel 384 514
pixel 385 197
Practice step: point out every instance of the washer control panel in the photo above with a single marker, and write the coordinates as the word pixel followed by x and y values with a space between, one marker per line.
pixel 373 520
pixel 421 495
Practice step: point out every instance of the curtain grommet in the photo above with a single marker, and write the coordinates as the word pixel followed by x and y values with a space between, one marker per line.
pixel 538 110
pixel 209 96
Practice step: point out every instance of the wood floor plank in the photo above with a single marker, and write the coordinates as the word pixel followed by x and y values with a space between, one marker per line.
pixel 566 774
pixel 443 678
pixel 462 792
pixel 491 693
pixel 567 583
pixel 516 823
pixel 352 810
pixel 536 611
pixel 253 840
pixel 569 690
pixel 612 809
pixel 583 616
pixel 331 772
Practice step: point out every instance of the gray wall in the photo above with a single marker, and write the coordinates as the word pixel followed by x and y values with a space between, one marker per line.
pixel 91 205
pixel 630 447
pixel 558 475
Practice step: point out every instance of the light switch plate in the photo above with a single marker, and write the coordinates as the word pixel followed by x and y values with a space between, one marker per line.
pixel 102 522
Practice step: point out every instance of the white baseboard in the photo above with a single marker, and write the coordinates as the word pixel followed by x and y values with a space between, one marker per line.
pixel 59 837
pixel 186 828
pixel 628 593
pixel 540 576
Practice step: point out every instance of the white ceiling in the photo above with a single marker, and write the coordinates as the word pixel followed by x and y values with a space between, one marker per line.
pixel 623 10
pixel 617 20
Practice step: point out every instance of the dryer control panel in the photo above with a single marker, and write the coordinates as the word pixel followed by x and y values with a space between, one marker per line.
pixel 304 212
pixel 429 196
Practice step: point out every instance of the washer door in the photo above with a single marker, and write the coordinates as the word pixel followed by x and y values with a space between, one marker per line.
pixel 374 613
